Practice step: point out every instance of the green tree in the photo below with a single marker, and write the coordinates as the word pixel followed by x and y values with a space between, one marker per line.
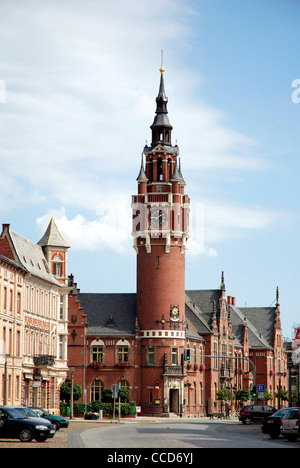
pixel 282 394
pixel 65 392
pixel 242 395
pixel 107 395
pixel 224 395
pixel 268 396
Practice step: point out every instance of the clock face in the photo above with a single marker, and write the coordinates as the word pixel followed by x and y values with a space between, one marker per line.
pixel 174 314
pixel 157 218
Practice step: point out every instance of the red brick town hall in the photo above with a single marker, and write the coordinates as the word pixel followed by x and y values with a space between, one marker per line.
pixel 48 326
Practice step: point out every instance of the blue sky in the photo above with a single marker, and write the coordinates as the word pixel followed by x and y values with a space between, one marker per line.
pixel 78 83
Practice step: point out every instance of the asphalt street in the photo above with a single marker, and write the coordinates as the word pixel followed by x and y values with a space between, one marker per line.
pixel 174 434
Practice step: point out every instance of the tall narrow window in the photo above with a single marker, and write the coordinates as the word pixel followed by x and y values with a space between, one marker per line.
pixel 159 169
pixel 27 298
pixel 174 355
pixel 5 298
pixel 18 343
pixel 96 390
pixel 18 303
pixel 61 307
pixel 10 300
pixel 60 347
pixel 42 302
pixel 151 356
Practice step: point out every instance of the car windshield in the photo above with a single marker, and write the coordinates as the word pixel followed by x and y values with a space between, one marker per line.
pixel 14 413
pixel 41 412
pixel 28 412
pixel 279 413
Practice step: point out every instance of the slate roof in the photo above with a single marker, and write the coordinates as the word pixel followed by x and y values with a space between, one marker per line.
pixel 195 319
pixel 52 237
pixel 13 263
pixel 31 257
pixel 109 314
pixel 203 300
pixel 260 321
pixel 115 315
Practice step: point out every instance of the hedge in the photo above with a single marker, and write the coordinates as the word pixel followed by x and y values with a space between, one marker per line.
pixel 96 406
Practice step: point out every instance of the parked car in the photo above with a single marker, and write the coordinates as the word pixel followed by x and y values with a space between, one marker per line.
pixel 272 424
pixel 289 428
pixel 15 425
pixel 28 413
pixel 57 421
pixel 255 413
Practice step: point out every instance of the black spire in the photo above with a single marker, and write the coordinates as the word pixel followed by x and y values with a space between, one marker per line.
pixel 142 175
pixel 161 127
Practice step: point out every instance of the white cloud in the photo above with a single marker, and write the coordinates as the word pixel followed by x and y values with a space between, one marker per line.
pixel 210 225
pixel 225 222
pixel 109 231
pixel 80 97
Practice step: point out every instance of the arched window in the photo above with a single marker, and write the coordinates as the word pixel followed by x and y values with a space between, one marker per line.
pixel 57 265
pixel 97 351
pixel 96 390
pixel 122 352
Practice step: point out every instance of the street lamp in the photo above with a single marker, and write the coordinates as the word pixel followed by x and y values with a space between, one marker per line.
pixel 5 396
pixel 72 369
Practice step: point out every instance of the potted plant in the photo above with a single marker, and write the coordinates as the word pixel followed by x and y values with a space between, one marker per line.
pixel 97 365
pixel 91 415
pixel 122 365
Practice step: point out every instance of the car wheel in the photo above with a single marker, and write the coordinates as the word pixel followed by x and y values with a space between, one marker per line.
pixel 56 425
pixel 25 435
pixel 248 421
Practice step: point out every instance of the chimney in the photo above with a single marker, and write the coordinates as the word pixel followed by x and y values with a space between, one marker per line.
pixel 233 299
pixel 5 227
pixel 229 300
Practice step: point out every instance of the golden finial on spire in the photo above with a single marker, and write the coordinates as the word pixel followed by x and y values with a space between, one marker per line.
pixel 162 60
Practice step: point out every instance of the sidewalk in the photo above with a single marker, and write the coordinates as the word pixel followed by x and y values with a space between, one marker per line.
pixel 141 419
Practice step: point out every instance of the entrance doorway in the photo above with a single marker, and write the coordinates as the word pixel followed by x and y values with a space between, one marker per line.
pixel 174 400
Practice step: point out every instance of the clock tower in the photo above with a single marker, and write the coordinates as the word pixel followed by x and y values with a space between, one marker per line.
pixel 160 232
